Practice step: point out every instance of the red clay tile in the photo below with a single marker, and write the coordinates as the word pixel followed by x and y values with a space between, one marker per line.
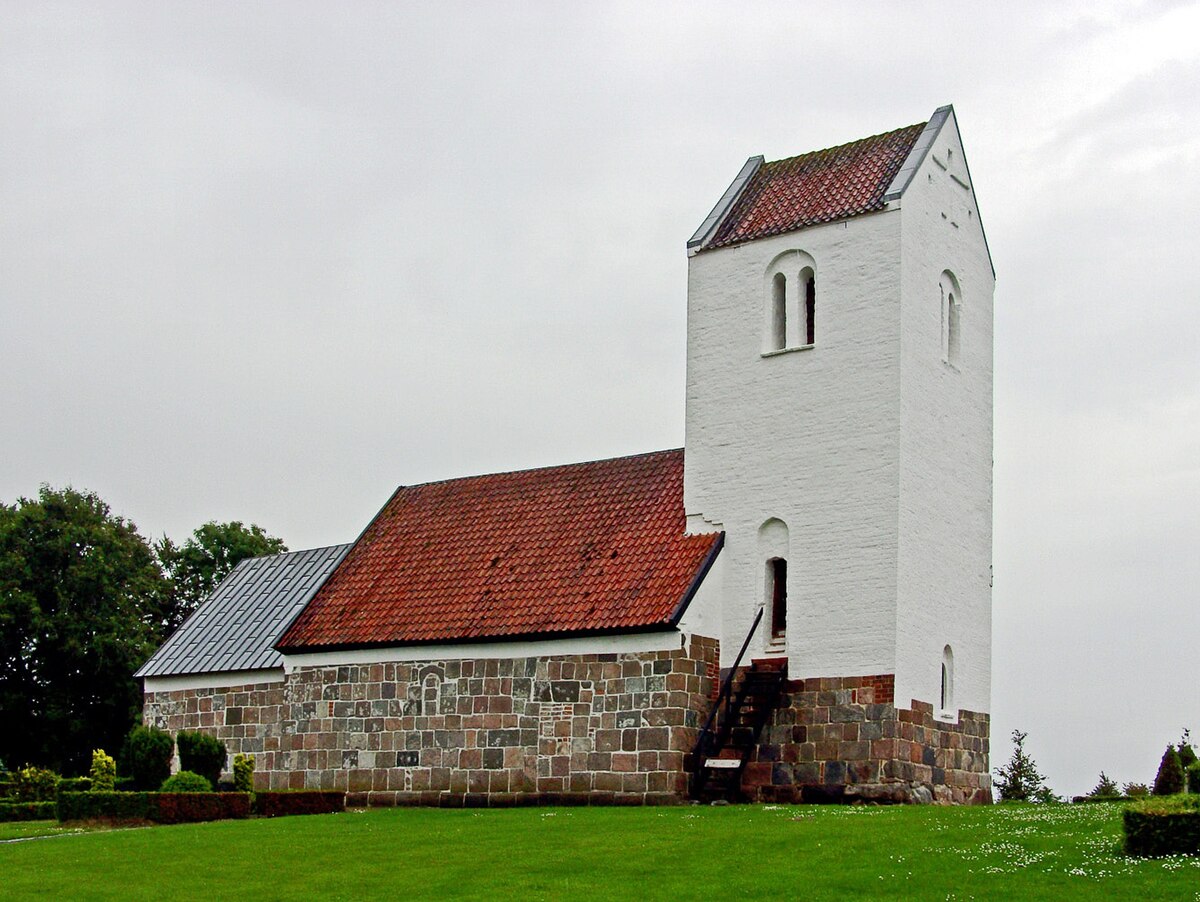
pixel 817 187
pixel 589 547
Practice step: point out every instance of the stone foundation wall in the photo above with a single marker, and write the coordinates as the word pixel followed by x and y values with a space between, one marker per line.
pixel 843 738
pixel 570 729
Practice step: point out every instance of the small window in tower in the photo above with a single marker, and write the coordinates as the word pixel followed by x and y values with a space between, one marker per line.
pixel 810 306
pixel 946 702
pixel 777 574
pixel 951 318
pixel 778 325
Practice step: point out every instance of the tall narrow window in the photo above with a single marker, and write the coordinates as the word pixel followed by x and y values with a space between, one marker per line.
pixel 951 317
pixel 946 703
pixel 778 312
pixel 777 573
pixel 810 308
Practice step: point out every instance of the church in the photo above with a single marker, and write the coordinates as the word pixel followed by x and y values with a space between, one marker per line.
pixel 795 606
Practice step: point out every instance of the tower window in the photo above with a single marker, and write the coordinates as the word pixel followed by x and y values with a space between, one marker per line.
pixel 777 574
pixel 946 702
pixel 951 318
pixel 778 325
pixel 810 306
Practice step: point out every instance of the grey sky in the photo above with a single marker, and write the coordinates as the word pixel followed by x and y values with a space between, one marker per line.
pixel 266 262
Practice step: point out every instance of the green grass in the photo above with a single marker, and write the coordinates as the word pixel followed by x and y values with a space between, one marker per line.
pixel 759 852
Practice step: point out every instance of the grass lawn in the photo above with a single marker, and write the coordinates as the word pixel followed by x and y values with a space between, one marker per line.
pixel 758 852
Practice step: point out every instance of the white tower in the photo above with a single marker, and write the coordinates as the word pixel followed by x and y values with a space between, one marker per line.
pixel 839 414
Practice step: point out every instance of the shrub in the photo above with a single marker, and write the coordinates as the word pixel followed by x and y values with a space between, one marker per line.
pixel 1106 789
pixel 1193 778
pixel 302 801
pixel 243 773
pixel 34 784
pixel 147 757
pixel 1020 780
pixel 202 754
pixel 1136 790
pixel 186 781
pixel 1163 826
pixel 104 771
pixel 26 811
pixel 160 807
pixel 74 784
pixel 1169 781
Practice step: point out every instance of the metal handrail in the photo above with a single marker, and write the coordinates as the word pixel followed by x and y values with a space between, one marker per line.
pixel 723 698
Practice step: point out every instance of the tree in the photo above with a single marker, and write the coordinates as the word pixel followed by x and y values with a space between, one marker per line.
pixel 1169 780
pixel 197 566
pixel 81 607
pixel 1187 754
pixel 1106 789
pixel 1020 780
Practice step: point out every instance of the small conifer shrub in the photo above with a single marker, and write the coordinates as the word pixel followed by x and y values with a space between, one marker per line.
pixel 186 781
pixel 1169 781
pixel 1106 789
pixel 104 771
pixel 1193 778
pixel 202 754
pixel 1020 780
pixel 243 773
pixel 146 757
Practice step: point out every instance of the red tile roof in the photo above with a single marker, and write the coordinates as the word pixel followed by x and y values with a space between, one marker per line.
pixel 817 187
pixel 591 547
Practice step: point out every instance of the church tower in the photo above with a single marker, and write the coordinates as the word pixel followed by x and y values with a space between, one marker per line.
pixel 839 432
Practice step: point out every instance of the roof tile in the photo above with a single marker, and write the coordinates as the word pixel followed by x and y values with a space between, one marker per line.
pixel 817 187
pixel 589 547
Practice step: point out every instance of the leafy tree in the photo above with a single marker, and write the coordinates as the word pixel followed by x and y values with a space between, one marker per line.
pixel 197 566
pixel 81 607
pixel 1106 789
pixel 1020 780
pixel 1169 780
pixel 1136 790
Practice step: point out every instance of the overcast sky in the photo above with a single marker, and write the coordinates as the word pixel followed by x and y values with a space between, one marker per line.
pixel 267 261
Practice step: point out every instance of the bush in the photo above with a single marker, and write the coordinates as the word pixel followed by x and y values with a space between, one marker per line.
pixel 34 784
pixel 159 807
pixel 302 801
pixel 1020 780
pixel 1106 789
pixel 186 781
pixel 104 771
pixel 146 757
pixel 26 811
pixel 243 773
pixel 1169 781
pixel 1193 778
pixel 74 784
pixel 1163 826
pixel 1136 790
pixel 202 754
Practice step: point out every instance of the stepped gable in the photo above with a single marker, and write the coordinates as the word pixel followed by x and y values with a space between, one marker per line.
pixel 816 187
pixel 584 548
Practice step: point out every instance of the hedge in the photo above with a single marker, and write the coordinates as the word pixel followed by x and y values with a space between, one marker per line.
pixel 1166 826
pixel 26 811
pixel 301 801
pixel 160 807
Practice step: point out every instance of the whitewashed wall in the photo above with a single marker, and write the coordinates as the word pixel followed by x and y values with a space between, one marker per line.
pixel 944 589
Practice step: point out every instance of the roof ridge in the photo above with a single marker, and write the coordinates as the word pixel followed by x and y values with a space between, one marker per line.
pixel 540 469
pixel 811 153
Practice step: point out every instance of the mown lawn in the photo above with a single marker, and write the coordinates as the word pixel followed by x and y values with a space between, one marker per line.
pixel 758 852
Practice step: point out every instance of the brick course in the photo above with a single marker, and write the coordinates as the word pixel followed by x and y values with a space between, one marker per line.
pixel 572 729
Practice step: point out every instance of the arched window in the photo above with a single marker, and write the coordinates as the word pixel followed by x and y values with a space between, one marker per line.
pixel 778 324
pixel 951 317
pixel 791 300
pixel 777 584
pixel 773 548
pixel 809 281
pixel 946 705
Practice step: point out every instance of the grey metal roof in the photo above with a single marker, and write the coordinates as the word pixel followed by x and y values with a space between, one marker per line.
pixel 237 625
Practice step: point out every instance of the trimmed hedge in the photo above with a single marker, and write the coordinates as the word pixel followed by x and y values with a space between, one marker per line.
pixel 26 811
pixel 185 781
pixel 300 801
pixel 74 784
pixel 1164 826
pixel 160 807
